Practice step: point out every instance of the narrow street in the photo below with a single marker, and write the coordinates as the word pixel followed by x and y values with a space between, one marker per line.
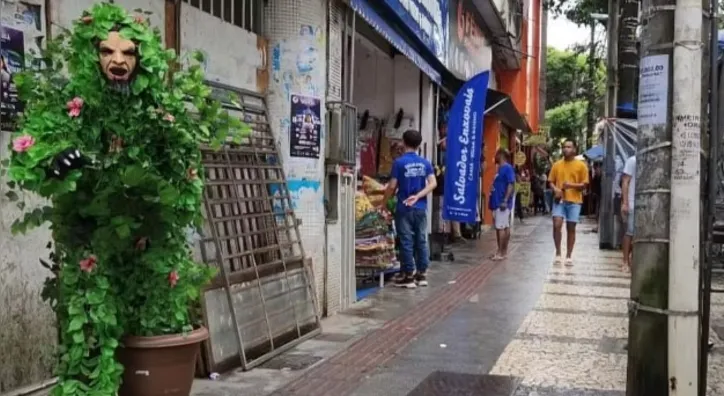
pixel 520 327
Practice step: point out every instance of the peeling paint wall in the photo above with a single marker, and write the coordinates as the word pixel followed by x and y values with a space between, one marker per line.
pixel 27 334
pixel 296 30
pixel 27 322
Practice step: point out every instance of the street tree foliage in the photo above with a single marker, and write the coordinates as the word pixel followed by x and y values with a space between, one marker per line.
pixel 567 121
pixel 566 82
pixel 577 11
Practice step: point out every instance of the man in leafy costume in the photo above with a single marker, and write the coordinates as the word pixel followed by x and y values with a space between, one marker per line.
pixel 115 148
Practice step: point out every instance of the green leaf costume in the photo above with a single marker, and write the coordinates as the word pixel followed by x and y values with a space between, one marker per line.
pixel 120 218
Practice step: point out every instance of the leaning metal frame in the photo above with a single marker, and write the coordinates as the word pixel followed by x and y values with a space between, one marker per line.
pixel 251 234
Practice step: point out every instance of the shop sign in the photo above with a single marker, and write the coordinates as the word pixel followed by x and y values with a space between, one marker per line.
pixel 428 20
pixel 520 158
pixel 466 39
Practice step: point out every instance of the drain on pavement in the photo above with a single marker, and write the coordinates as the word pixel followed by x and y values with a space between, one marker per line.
pixel 291 362
pixel 442 383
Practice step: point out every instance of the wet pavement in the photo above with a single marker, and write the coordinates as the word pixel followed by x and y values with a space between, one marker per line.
pixel 522 327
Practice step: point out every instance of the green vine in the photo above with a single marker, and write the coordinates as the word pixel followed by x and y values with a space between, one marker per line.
pixel 120 223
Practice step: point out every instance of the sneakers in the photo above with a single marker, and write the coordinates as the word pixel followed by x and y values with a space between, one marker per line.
pixel 421 279
pixel 411 281
pixel 406 281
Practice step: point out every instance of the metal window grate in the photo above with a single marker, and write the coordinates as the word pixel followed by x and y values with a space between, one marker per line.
pixel 262 301
pixel 246 14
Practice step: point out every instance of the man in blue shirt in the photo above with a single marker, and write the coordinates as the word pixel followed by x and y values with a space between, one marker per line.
pixel 414 179
pixel 501 199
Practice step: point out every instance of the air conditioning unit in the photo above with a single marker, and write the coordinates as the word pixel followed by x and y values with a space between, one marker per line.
pixel 342 134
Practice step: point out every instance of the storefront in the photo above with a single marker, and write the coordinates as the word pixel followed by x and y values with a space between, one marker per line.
pixel 407 62
pixel 470 53
pixel 393 89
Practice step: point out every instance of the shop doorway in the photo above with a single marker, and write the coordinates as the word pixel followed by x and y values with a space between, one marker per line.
pixel 391 95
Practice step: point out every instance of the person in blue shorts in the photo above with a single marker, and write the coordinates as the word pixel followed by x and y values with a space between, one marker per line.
pixel 568 179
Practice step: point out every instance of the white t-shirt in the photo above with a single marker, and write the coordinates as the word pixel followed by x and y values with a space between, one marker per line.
pixel 630 170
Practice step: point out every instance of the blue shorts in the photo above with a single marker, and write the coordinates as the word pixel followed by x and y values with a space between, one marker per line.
pixel 570 211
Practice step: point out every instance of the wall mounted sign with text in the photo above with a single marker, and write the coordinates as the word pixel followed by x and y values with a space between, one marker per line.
pixel 428 20
pixel 466 40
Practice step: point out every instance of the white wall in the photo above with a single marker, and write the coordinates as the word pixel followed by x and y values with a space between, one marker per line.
pixel 407 88
pixel 297 48
pixel 233 56
pixel 64 12
pixel 374 79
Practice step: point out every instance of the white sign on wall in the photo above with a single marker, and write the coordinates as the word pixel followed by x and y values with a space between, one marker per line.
pixel 653 90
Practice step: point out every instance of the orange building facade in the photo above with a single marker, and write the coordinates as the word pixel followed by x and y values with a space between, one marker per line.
pixel 521 84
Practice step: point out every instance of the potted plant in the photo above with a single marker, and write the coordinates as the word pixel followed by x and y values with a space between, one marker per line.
pixel 111 137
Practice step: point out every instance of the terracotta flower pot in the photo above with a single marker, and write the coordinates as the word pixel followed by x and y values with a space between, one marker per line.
pixel 160 366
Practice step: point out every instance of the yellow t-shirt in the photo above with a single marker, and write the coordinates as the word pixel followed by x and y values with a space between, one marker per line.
pixel 574 171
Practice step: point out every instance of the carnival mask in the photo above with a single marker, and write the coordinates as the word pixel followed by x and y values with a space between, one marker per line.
pixel 118 58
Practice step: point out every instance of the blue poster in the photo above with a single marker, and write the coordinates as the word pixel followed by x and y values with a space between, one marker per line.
pixel 428 20
pixel 464 145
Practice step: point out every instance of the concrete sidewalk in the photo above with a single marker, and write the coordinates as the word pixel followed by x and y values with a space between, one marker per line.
pixel 357 341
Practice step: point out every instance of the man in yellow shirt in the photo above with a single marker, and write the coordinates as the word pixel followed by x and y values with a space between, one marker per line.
pixel 568 178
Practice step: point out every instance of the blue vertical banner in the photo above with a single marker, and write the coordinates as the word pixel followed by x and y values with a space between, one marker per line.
pixel 464 147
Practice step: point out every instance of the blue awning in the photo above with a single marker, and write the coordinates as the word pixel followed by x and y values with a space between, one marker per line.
pixel 371 16
pixel 594 153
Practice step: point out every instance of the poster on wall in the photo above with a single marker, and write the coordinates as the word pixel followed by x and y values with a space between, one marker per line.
pixel 306 125
pixel 12 60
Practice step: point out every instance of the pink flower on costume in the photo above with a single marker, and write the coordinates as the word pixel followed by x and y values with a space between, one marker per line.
pixel 169 117
pixel 173 278
pixel 192 174
pixel 140 19
pixel 88 264
pixel 23 143
pixel 74 106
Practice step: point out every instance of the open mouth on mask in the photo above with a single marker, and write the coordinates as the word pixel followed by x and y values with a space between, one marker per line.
pixel 118 73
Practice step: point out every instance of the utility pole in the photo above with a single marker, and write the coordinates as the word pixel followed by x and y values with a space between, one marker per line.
pixel 543 64
pixel 628 56
pixel 612 80
pixel 611 20
pixel 591 87
pixel 663 324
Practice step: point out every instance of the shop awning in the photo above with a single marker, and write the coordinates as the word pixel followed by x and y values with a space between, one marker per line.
pixel 368 13
pixel 499 104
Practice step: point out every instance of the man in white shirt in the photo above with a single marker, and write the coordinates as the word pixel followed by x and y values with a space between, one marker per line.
pixel 628 188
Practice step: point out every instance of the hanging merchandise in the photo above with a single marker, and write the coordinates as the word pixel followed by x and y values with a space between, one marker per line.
pixel 368 146
pixel 464 145
pixel 520 158
pixel 391 145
